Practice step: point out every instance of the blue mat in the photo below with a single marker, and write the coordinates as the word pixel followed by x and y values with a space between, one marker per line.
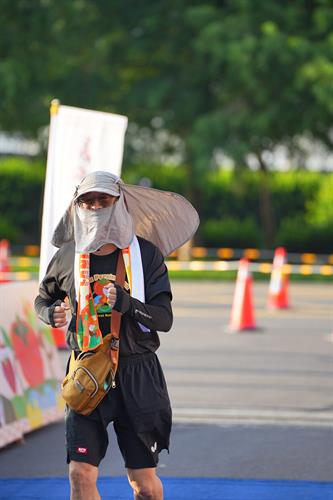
pixel 117 488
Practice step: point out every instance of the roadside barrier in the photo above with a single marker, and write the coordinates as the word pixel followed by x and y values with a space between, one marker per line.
pixel 278 285
pixel 193 253
pixel 264 267
pixel 201 265
pixel 254 254
pixel 242 315
pixel 304 264
pixel 30 368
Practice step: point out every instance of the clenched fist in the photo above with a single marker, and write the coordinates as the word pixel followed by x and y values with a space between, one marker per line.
pixel 111 293
pixel 59 315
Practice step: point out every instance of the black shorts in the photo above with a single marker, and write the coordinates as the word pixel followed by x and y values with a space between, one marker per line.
pixel 87 436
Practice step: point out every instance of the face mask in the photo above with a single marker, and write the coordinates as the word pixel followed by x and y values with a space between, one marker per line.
pixel 95 228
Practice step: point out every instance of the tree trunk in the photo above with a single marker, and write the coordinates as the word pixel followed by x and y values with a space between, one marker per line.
pixel 265 205
pixel 194 194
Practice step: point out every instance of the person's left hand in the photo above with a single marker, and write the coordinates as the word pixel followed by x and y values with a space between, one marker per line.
pixel 111 293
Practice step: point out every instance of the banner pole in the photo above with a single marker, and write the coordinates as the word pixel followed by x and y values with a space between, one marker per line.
pixel 80 141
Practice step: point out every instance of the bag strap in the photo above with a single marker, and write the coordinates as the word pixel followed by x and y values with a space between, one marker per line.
pixel 116 317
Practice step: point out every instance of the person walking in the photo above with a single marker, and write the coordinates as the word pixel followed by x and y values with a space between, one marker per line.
pixel 107 222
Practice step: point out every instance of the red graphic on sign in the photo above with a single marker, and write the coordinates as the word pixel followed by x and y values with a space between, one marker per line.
pixel 85 159
pixel 8 370
pixel 26 348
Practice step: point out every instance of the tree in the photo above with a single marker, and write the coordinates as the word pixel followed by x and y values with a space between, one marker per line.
pixel 55 48
pixel 242 76
pixel 235 75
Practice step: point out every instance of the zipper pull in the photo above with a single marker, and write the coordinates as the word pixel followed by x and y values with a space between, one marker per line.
pixel 113 382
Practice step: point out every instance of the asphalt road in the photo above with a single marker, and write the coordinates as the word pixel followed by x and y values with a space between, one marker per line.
pixel 282 372
pixel 257 404
pixel 197 450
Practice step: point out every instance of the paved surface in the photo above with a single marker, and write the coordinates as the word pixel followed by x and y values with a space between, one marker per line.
pixel 247 405
pixel 197 450
pixel 282 372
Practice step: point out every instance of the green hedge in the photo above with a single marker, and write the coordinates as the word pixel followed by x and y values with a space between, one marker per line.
pixel 160 177
pixel 233 232
pixel 21 188
pixel 229 205
pixel 299 236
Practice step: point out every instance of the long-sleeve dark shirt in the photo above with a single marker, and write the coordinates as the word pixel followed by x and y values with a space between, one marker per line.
pixel 155 313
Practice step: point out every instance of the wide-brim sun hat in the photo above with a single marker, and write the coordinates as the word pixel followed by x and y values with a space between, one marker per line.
pixel 96 182
pixel 165 218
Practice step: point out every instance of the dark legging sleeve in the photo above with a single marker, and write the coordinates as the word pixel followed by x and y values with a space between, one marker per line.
pixel 157 315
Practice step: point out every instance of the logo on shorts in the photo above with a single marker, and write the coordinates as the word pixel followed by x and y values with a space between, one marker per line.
pixel 82 450
pixel 154 447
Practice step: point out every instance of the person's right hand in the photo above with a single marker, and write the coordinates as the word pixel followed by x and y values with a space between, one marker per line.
pixel 59 315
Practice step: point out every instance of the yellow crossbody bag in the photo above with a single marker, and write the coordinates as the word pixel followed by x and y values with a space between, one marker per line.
pixel 92 373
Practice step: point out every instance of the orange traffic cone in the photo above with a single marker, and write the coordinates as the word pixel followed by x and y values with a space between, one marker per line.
pixel 59 337
pixel 278 286
pixel 242 316
pixel 59 334
pixel 4 261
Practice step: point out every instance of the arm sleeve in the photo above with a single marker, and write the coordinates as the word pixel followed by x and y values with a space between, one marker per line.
pixel 156 312
pixel 50 295
pixel 156 316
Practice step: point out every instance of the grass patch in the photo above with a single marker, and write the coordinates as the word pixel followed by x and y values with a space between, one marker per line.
pixel 26 269
pixel 203 275
pixel 213 275
pixel 231 276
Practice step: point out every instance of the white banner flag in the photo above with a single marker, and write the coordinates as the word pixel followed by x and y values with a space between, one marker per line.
pixel 80 142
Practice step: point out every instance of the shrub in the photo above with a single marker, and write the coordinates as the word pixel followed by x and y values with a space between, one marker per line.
pixel 231 232
pixel 8 231
pixel 291 192
pixel 320 208
pixel 297 236
pixel 164 177
pixel 228 204
pixel 21 188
